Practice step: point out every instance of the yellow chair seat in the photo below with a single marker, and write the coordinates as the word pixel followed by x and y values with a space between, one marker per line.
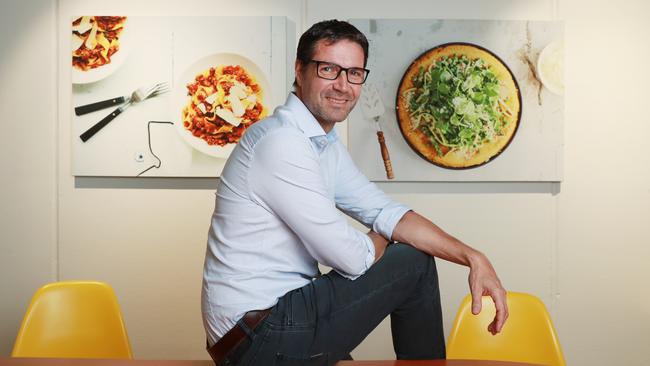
pixel 528 335
pixel 73 319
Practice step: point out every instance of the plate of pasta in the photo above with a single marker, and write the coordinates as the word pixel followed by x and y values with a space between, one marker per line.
pixel 97 46
pixel 216 99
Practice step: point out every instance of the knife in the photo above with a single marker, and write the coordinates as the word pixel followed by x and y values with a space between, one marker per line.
pixel 92 107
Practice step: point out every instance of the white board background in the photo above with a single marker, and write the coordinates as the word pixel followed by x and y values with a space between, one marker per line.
pixel 162 48
pixel 535 153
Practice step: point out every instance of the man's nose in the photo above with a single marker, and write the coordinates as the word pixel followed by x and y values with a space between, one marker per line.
pixel 341 82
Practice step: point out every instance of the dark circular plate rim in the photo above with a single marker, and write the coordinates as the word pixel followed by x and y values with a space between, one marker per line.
pixel 423 54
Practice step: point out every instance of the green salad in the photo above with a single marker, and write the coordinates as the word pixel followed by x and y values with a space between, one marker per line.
pixel 456 103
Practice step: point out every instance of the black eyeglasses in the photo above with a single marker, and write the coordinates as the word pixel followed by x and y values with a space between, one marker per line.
pixel 331 71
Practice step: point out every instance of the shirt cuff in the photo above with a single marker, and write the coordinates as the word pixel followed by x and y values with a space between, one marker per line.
pixel 370 259
pixel 388 218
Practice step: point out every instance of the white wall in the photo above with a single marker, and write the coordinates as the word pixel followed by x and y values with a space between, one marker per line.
pixel 580 246
pixel 604 208
pixel 28 157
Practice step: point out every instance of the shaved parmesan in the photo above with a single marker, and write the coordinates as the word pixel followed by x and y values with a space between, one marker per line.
pixel 83 25
pixel 227 116
pixel 211 98
pixel 236 105
pixel 238 90
pixel 76 42
pixel 201 107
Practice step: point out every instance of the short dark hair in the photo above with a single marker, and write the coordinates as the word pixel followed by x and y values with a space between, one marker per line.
pixel 331 31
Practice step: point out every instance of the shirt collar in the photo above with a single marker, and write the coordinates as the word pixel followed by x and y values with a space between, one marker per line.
pixel 305 120
pixel 309 125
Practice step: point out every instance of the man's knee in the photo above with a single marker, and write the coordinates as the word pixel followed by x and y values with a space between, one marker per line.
pixel 420 265
pixel 406 255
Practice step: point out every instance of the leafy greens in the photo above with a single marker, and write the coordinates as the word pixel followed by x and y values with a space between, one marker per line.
pixel 455 102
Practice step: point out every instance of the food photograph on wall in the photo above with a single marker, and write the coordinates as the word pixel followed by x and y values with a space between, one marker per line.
pixel 159 96
pixel 463 100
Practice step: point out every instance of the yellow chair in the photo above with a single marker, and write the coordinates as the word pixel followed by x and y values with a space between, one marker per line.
pixel 73 319
pixel 528 335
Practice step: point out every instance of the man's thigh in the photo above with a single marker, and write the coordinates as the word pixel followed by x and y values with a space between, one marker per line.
pixel 326 319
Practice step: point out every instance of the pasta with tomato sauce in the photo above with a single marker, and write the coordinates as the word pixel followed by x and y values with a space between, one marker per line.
pixel 224 101
pixel 95 39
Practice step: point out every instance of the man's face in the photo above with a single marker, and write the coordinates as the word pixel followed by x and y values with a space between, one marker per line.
pixel 330 101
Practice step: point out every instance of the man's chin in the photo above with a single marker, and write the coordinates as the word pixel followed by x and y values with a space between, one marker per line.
pixel 342 113
pixel 339 117
pixel 335 115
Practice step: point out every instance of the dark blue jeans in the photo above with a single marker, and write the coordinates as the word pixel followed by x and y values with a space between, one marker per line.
pixel 322 322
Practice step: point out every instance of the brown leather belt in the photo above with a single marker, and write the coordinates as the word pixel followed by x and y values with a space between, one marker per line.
pixel 236 335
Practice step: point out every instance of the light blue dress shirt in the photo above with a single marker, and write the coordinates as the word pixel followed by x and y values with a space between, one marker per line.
pixel 276 216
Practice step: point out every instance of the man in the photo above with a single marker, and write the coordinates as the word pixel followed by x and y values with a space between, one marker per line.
pixel 264 301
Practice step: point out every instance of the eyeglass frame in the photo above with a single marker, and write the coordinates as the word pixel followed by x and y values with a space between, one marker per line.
pixel 341 69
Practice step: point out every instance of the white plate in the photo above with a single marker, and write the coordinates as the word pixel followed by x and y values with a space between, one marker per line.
pixel 550 67
pixel 180 97
pixel 118 58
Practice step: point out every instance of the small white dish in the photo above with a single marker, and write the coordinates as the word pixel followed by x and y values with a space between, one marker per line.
pixel 550 67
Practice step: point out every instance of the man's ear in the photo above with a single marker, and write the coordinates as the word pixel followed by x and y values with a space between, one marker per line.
pixel 298 68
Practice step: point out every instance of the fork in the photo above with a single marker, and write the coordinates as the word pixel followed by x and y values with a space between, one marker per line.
pixel 92 107
pixel 136 97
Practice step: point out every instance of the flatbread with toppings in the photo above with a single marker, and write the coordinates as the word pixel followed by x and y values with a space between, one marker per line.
pixel 458 106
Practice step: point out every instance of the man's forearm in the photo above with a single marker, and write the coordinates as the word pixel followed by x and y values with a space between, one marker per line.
pixel 427 237
pixel 424 235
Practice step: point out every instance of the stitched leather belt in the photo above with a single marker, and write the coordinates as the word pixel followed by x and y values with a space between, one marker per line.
pixel 236 335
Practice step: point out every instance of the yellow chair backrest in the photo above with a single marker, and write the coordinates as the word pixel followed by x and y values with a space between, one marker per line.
pixel 73 319
pixel 528 335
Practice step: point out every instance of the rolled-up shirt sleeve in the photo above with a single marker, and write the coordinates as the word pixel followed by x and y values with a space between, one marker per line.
pixel 363 200
pixel 285 178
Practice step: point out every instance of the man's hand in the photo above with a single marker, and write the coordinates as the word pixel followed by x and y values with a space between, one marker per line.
pixel 483 281
pixel 424 235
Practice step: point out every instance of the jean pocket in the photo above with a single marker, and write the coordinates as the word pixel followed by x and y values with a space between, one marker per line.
pixel 320 359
